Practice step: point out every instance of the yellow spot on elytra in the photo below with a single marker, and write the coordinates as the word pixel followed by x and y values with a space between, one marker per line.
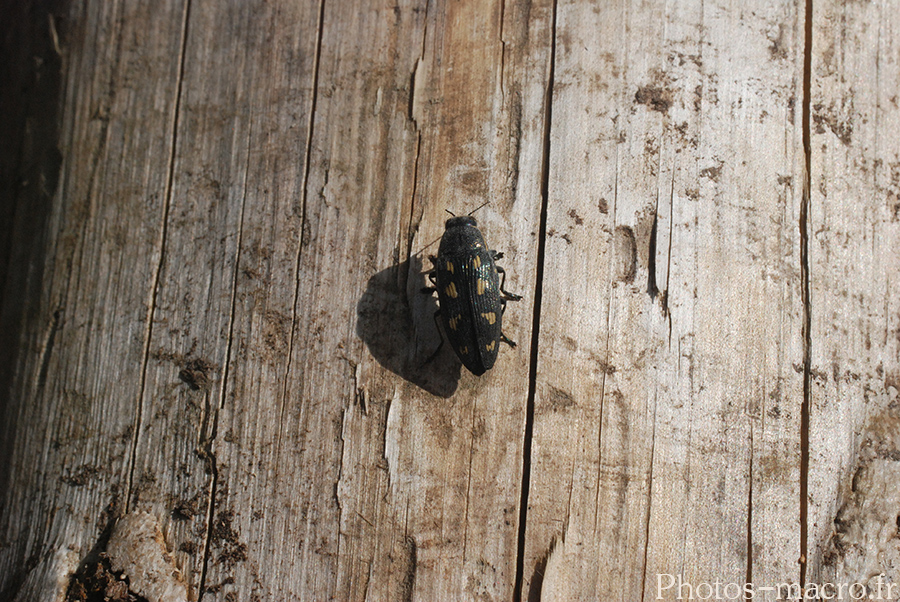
pixel 450 291
pixel 450 267
pixel 490 346
pixel 464 350
pixel 454 321
pixel 476 263
pixel 479 288
pixel 490 316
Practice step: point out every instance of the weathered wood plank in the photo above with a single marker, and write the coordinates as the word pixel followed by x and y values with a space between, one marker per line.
pixel 320 491
pixel 854 226
pixel 70 410
pixel 668 407
pixel 455 464
pixel 208 454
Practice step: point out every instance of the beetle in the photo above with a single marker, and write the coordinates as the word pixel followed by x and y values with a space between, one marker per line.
pixel 470 288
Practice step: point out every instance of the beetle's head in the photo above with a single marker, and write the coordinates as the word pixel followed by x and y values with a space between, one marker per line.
pixel 463 220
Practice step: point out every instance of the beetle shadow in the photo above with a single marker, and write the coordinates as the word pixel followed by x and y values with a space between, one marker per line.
pixel 396 322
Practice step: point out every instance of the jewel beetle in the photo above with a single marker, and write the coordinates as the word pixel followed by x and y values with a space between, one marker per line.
pixel 469 284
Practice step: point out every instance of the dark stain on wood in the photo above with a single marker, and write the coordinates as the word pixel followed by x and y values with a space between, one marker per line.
pixel 409 570
pixel 712 173
pixel 654 97
pixel 577 218
pixel 559 399
pixel 840 127
pixel 227 540
pixel 81 476
pixel 196 374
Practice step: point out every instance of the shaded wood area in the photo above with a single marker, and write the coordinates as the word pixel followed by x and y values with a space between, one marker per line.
pixel 215 351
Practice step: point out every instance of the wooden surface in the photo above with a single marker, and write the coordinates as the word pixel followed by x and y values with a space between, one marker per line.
pixel 219 216
pixel 855 289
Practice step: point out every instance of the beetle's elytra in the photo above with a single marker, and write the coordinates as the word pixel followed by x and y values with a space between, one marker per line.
pixel 471 295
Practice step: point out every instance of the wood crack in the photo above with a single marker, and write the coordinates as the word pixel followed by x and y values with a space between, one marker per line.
pixel 307 162
pixel 208 432
pixel 163 233
pixel 47 348
pixel 805 294
pixel 748 575
pixel 414 220
pixel 604 374
pixel 665 297
pixel 336 493
pixel 502 49
pixel 415 116
pixel 536 323
pixel 647 513
pixel 207 437
pixel 652 288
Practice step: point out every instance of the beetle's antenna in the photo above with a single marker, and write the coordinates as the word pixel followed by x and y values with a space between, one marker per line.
pixel 422 250
pixel 450 212
pixel 478 207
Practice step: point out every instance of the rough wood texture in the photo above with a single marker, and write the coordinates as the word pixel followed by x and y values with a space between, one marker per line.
pixel 854 258
pixel 667 415
pixel 218 215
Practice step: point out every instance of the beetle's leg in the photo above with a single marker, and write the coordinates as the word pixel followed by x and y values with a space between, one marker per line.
pixel 503 337
pixel 430 290
pixel 506 294
pixel 439 347
pixel 433 277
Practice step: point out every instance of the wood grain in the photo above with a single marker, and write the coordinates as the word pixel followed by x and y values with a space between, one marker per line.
pixel 70 408
pixel 667 413
pixel 222 214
